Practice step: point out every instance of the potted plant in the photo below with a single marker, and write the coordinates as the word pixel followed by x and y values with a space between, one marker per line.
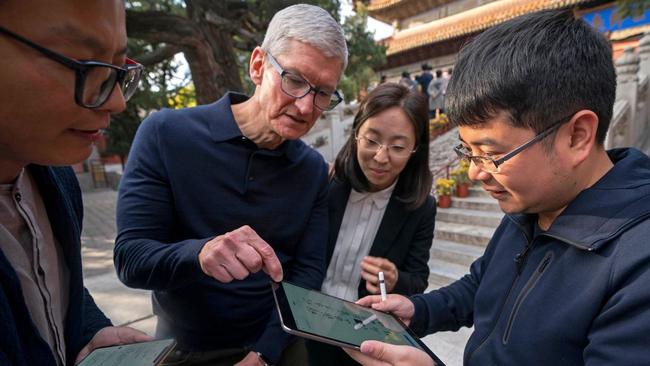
pixel 438 126
pixel 460 175
pixel 443 191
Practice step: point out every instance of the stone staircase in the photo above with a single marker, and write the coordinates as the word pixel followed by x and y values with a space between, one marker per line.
pixel 461 234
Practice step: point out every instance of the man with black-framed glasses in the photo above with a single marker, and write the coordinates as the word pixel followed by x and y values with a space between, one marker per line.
pixel 218 199
pixel 95 81
pixel 564 280
pixel 53 106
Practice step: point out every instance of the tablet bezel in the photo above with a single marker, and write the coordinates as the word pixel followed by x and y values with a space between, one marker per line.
pixel 288 322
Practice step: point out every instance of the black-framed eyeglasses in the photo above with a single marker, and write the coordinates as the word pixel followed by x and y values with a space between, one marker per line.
pixel 297 87
pixel 491 165
pixel 94 80
pixel 372 146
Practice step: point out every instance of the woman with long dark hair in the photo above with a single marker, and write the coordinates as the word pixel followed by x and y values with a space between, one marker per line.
pixel 381 212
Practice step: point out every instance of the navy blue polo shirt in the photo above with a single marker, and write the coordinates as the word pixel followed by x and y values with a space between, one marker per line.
pixel 191 176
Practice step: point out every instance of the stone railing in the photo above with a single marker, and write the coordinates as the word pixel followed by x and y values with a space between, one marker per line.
pixel 331 131
pixel 630 124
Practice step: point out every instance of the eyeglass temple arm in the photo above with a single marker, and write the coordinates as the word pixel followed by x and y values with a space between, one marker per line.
pixel 522 147
pixel 54 55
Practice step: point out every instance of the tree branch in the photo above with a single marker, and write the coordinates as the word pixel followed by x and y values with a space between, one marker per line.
pixel 158 55
pixel 161 27
pixel 218 21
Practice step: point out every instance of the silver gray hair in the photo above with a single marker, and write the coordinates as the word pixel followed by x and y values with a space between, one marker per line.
pixel 308 24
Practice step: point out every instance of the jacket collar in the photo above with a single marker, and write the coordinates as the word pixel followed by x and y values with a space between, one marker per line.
pixel 619 200
pixel 380 198
pixel 391 223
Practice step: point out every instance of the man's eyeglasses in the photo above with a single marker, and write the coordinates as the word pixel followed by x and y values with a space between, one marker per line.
pixel 490 165
pixel 372 146
pixel 297 87
pixel 94 81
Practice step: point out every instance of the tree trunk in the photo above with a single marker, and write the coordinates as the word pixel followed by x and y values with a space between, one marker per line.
pixel 213 64
pixel 207 45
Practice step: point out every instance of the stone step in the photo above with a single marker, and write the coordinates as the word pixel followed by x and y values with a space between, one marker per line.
pixel 443 273
pixel 476 203
pixel 452 252
pixel 449 346
pixel 465 234
pixel 470 217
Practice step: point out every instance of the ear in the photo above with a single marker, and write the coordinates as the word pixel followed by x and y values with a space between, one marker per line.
pixel 256 66
pixel 579 136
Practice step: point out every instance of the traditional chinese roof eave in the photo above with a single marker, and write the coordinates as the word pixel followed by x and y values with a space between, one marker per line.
pixel 468 22
pixel 629 32
pixel 389 10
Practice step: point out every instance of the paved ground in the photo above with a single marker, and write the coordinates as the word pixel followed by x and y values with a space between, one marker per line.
pixel 133 307
pixel 120 303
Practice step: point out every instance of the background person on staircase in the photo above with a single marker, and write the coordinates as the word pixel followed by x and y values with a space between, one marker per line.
pixel 564 280
pixel 436 95
pixel 424 79
pixel 407 82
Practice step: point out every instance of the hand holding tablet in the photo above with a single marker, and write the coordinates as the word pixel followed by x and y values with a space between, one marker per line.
pixel 150 353
pixel 317 316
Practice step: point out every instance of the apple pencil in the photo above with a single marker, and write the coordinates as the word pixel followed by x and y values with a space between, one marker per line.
pixel 382 289
pixel 365 322
pixel 382 286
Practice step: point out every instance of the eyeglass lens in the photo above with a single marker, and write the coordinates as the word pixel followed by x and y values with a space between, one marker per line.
pixel 131 81
pixel 298 87
pixel 100 81
pixel 481 162
pixel 374 147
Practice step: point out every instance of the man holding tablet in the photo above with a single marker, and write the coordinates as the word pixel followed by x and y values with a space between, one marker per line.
pixel 324 318
pixel 564 280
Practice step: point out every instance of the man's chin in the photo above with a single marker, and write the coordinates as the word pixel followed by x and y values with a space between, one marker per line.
pixel 67 158
pixel 288 133
pixel 509 208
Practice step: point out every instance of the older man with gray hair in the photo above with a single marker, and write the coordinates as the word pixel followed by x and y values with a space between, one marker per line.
pixel 211 195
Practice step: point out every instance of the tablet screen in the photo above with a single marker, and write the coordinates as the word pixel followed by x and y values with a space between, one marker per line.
pixel 326 316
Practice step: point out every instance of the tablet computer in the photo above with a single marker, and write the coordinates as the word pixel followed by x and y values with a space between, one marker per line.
pixel 320 317
pixel 150 353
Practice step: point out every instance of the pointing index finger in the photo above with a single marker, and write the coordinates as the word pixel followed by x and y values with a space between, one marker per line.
pixel 271 263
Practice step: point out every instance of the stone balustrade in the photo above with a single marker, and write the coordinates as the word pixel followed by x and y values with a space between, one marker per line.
pixel 630 124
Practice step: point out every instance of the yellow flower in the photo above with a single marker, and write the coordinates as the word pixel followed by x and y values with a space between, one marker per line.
pixel 460 174
pixel 444 186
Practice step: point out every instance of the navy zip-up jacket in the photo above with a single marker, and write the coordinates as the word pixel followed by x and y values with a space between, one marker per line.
pixel 580 293
pixel 20 341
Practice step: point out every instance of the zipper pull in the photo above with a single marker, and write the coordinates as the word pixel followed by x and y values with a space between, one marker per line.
pixel 544 264
pixel 519 259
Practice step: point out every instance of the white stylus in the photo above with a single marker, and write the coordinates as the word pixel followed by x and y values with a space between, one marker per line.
pixel 382 286
pixel 365 322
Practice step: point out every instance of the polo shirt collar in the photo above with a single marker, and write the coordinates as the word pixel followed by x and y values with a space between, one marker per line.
pixel 228 129
pixel 221 109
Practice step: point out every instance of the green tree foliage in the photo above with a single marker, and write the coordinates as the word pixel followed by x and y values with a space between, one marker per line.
pixel 632 8
pixel 365 54
pixel 160 87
